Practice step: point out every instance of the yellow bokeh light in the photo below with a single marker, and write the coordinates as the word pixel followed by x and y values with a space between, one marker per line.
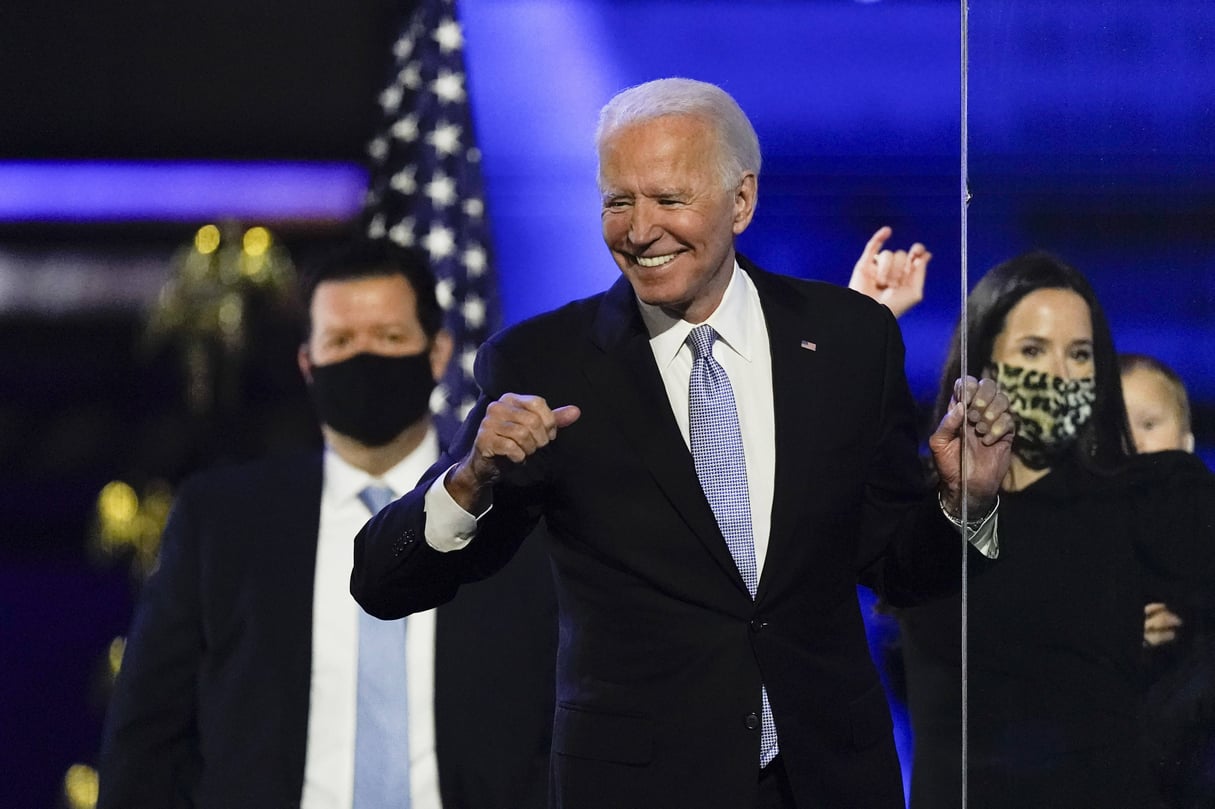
pixel 117 647
pixel 253 265
pixel 117 503
pixel 231 313
pixel 206 241
pixel 256 241
pixel 80 786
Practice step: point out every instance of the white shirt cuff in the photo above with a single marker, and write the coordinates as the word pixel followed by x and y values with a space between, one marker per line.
pixel 982 533
pixel 985 538
pixel 448 526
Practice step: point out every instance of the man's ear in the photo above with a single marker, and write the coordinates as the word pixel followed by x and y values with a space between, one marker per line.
pixel 305 363
pixel 440 353
pixel 745 198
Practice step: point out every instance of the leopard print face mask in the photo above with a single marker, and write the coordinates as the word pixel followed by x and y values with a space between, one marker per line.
pixel 1050 412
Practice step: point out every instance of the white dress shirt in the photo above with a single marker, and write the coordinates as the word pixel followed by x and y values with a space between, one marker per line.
pixel 329 762
pixel 742 350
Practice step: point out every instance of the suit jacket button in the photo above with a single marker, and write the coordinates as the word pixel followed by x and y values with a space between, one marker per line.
pixel 752 721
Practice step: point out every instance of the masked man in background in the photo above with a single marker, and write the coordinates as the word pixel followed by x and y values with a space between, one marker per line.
pixel 252 679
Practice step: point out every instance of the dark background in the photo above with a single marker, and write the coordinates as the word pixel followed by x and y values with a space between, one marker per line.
pixel 1090 134
pixel 83 400
pixel 252 79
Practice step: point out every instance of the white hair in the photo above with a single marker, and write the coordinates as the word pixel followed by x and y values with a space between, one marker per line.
pixel 738 145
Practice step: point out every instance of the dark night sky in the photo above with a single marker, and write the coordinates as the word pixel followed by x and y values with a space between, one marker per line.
pixel 224 79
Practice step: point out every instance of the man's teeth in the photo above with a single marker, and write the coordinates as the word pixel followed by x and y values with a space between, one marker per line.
pixel 654 261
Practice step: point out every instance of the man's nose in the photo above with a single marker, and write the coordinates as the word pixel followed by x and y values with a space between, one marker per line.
pixel 643 225
pixel 360 344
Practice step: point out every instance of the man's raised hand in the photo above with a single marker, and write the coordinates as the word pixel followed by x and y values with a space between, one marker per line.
pixel 515 427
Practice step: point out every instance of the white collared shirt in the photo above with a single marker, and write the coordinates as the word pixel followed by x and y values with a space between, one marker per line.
pixel 329 762
pixel 742 350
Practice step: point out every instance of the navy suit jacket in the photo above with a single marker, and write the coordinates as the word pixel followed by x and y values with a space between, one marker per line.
pixel 662 651
pixel 211 704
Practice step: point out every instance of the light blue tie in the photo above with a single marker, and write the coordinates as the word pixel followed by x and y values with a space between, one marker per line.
pixel 717 452
pixel 381 746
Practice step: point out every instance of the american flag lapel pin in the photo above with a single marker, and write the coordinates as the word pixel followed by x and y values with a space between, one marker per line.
pixel 809 346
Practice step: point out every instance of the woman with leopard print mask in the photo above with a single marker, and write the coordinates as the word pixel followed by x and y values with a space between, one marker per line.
pixel 1055 624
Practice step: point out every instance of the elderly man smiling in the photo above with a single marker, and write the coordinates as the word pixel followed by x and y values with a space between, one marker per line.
pixel 720 454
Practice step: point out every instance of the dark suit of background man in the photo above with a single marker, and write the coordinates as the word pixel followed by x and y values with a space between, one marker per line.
pixel 587 419
pixel 238 686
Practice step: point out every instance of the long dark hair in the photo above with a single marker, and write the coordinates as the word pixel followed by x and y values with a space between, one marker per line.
pixel 1105 442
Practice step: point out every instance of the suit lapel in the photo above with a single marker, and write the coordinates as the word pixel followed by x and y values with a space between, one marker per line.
pixel 297 510
pixel 620 367
pixel 798 404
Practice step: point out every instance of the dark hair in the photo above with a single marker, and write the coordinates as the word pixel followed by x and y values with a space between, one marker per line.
pixel 371 258
pixel 1105 441
pixel 1172 381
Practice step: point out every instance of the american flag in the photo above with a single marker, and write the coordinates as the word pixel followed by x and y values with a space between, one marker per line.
pixel 426 190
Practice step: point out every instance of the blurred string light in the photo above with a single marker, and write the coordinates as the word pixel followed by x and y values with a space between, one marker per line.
pixel 80 787
pixel 206 240
pixel 129 523
pixel 256 242
pixel 202 309
pixel 118 648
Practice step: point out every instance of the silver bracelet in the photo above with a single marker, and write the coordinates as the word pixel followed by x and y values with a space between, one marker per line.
pixel 972 525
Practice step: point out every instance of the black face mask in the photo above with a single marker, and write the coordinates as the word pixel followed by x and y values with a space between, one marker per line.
pixel 371 397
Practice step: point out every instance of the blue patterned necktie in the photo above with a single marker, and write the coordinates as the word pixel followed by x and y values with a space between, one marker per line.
pixel 381 745
pixel 717 452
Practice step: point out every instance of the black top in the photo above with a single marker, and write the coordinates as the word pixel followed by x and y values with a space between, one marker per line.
pixel 1055 638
